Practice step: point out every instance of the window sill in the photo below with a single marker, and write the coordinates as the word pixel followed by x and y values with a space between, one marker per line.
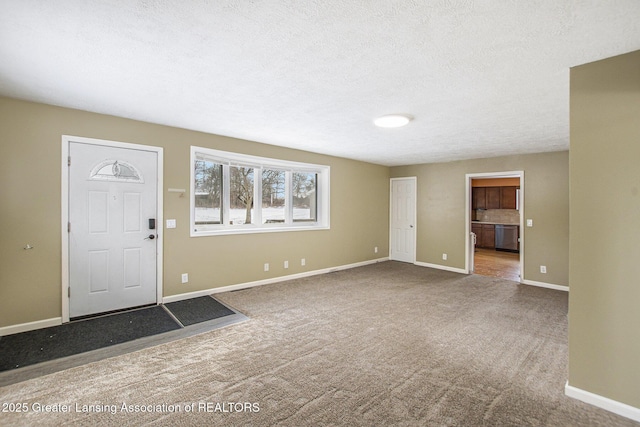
pixel 257 230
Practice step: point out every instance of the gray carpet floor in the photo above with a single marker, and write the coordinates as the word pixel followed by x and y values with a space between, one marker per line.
pixel 381 345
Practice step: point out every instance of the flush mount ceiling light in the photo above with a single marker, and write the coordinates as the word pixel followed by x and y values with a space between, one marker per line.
pixel 392 120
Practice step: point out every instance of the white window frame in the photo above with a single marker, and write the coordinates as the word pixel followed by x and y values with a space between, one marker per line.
pixel 228 159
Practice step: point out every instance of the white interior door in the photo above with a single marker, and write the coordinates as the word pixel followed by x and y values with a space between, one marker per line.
pixel 402 238
pixel 112 246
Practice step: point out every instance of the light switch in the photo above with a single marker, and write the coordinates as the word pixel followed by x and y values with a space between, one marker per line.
pixel 171 223
pixel 529 223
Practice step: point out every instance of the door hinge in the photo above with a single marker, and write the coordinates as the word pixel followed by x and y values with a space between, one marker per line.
pixel 68 227
pixel 69 161
pixel 69 291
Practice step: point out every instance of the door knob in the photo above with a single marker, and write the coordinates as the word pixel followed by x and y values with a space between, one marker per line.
pixel 151 237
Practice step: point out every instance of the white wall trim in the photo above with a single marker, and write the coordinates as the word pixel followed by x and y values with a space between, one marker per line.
pixel 55 321
pixel 605 403
pixel 441 267
pixel 30 326
pixel 204 292
pixel 545 285
pixel 68 139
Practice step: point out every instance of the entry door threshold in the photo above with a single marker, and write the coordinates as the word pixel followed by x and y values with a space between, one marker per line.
pixel 109 313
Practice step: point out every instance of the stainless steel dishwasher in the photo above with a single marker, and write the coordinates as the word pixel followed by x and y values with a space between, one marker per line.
pixel 507 238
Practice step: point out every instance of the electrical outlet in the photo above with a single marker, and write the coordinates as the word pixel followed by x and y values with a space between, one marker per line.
pixel 303 261
pixel 375 250
pixel 185 277
pixel 444 257
pixel 543 269
pixel 266 266
pixel 286 264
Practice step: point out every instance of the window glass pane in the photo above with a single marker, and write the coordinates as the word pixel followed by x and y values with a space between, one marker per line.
pixel 304 196
pixel 208 192
pixel 241 194
pixel 273 196
pixel 291 195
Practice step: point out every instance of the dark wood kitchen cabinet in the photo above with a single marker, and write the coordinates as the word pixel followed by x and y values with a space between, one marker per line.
pixel 493 197
pixel 508 198
pixel 485 235
pixel 479 199
pixel 488 239
pixel 485 198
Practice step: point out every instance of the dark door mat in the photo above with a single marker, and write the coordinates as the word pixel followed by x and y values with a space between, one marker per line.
pixel 197 310
pixel 28 348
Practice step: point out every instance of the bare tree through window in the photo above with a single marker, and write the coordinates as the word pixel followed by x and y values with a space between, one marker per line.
pixel 304 196
pixel 241 188
pixel 208 192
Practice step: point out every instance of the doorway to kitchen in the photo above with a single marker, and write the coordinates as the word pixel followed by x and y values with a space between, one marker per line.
pixel 494 207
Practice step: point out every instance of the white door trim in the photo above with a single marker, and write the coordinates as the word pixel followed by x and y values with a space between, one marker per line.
pixel 508 174
pixel 66 141
pixel 415 212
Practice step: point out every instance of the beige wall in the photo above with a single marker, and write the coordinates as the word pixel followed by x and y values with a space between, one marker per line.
pixel 30 212
pixel 441 211
pixel 604 304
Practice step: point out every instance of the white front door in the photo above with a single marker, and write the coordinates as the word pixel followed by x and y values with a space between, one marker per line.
pixel 402 234
pixel 112 244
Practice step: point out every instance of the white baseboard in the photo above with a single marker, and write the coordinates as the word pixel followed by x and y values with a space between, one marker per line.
pixel 441 267
pixel 30 326
pixel 204 292
pixel 55 321
pixel 610 405
pixel 545 285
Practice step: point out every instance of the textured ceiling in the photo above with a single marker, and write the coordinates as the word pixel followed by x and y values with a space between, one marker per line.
pixel 482 78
